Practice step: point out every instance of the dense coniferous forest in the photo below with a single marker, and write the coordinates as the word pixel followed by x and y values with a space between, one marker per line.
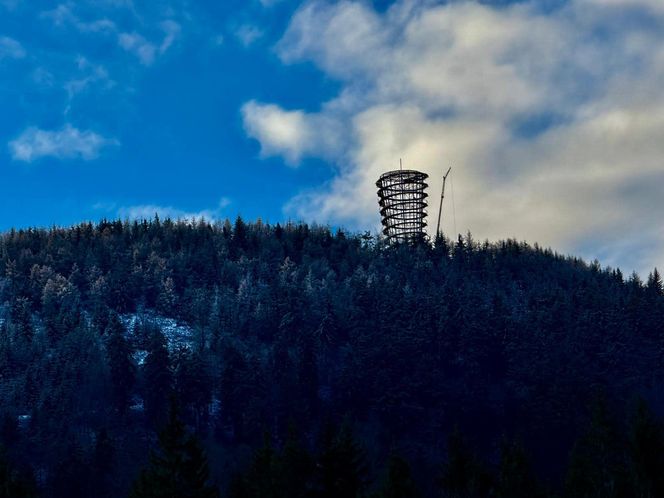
pixel 242 360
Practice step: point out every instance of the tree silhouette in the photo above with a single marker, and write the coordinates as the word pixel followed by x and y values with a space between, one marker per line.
pixel 399 482
pixel 121 365
pixel 178 467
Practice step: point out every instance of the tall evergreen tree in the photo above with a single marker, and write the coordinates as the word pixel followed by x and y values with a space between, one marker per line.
pixel 121 365
pixel 177 468
pixel 463 474
pixel 295 468
pixel 261 479
pixel 399 482
pixel 647 452
pixel 598 465
pixel 516 478
pixel 72 477
pixel 157 379
pixel 103 464
pixel 342 465
pixel 193 383
pixel 13 484
pixel 22 318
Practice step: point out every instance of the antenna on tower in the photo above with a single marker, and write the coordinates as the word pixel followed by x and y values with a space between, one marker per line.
pixel 442 196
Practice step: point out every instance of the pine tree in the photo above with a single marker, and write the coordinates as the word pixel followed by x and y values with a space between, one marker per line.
pixel 177 468
pixel 167 297
pixel 654 284
pixel 157 378
pixel 647 452
pixel 103 463
pixel 193 384
pixel 238 487
pixel 598 466
pixel 22 318
pixel 12 483
pixel 515 478
pixel 262 475
pixel 399 482
pixel 60 307
pixel 463 475
pixel 295 468
pixel 239 240
pixel 72 477
pixel 121 365
pixel 342 465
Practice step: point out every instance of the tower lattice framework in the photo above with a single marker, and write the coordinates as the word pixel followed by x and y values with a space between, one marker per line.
pixel 403 203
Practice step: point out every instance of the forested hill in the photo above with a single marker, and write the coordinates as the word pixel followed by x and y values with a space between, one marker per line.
pixel 296 351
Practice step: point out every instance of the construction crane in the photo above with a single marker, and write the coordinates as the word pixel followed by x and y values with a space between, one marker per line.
pixel 442 196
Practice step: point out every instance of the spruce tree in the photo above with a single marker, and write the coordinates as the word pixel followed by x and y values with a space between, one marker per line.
pixel 177 468
pixel 193 383
pixel 463 475
pixel 515 477
pixel 157 378
pixel 598 467
pixel 399 482
pixel 103 464
pixel 342 465
pixel 12 483
pixel 295 468
pixel 262 475
pixel 647 452
pixel 22 317
pixel 654 284
pixel 72 477
pixel 121 365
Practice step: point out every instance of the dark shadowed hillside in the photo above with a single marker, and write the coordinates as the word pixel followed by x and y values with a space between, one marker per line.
pixel 301 362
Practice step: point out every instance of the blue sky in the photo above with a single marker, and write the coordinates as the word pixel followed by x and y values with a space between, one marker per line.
pixel 168 122
pixel 551 113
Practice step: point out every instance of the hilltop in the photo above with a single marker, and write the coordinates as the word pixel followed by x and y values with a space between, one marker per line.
pixel 262 329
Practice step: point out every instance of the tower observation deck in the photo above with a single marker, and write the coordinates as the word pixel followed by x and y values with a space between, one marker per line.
pixel 403 203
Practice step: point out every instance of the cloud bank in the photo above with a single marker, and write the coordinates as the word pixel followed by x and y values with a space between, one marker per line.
pixel 552 120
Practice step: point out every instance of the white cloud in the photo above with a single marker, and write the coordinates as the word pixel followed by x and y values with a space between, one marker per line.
pixel 89 74
pixel 43 77
pixel 148 211
pixel 139 46
pixel 458 84
pixel 104 206
pixel 63 15
pixel 66 143
pixel 145 50
pixel 278 131
pixel 10 48
pixel 291 134
pixel 248 34
pixel 171 32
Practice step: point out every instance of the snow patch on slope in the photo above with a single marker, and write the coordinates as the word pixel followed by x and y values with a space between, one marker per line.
pixel 177 335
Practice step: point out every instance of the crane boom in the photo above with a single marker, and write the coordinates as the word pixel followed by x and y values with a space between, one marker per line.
pixel 442 196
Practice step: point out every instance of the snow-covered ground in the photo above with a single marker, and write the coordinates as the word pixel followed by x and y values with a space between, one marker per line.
pixel 139 356
pixel 177 335
pixel 24 421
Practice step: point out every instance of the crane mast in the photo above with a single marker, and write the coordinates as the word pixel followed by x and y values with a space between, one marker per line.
pixel 442 196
